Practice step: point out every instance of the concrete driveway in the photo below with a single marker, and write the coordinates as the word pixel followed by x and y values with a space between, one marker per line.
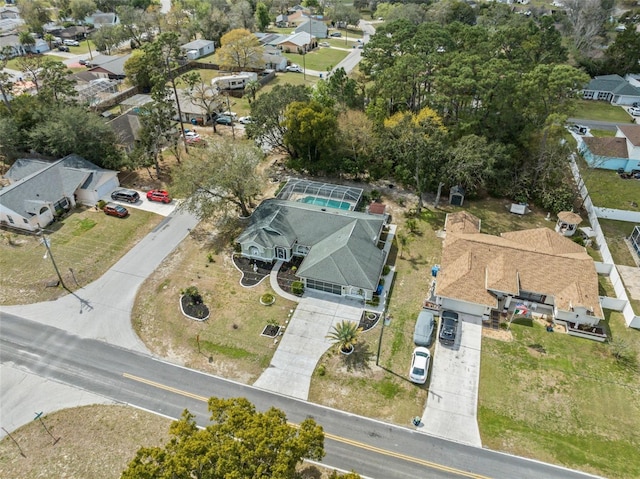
pixel 303 344
pixel 163 209
pixel 453 391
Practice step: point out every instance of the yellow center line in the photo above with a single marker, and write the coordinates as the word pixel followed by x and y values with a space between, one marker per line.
pixel 333 437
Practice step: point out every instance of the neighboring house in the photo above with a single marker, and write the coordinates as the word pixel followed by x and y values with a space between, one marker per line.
pixel 41 190
pixel 282 21
pixel 270 39
pixel 314 27
pixel 482 274
pixel 126 128
pixel 298 42
pixel 100 19
pixel 10 20
pixel 198 49
pixel 338 247
pixel 274 60
pixel 613 153
pixel 109 66
pixel 190 110
pixel 135 102
pixel 74 32
pixel 611 88
pixel 13 42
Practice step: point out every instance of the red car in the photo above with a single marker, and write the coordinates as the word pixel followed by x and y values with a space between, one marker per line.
pixel 112 209
pixel 159 195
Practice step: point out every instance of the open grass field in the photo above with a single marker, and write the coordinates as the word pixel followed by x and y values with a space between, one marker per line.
pixel 600 110
pixel 562 399
pixel 320 59
pixel 608 190
pixel 87 241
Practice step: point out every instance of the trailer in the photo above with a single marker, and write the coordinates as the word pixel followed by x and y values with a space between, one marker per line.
pixel 234 82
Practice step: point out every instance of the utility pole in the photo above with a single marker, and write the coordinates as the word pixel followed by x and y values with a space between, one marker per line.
pixel 233 128
pixel 46 242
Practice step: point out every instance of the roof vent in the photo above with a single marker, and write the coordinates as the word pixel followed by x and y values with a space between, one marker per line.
pixel 323 209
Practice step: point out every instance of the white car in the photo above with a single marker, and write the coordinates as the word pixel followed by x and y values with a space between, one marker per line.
pixel 191 134
pixel 245 120
pixel 230 114
pixel 71 43
pixel 419 365
pixel 294 68
pixel 634 111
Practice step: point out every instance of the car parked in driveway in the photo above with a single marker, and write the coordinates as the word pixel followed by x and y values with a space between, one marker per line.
pixel 63 48
pixel 423 331
pixel 419 365
pixel 634 111
pixel 130 196
pixel 294 68
pixel 245 120
pixel 448 327
pixel 112 209
pixel 224 120
pixel 161 196
pixel 336 34
pixel 71 43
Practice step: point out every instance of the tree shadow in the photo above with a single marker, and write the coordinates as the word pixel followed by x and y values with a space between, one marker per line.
pixel 227 229
pixel 523 321
pixel 309 471
pixel 359 359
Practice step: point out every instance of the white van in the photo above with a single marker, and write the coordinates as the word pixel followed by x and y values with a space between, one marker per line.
pixel 71 43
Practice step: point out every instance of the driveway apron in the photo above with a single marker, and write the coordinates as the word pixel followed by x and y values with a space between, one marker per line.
pixel 303 344
pixel 453 391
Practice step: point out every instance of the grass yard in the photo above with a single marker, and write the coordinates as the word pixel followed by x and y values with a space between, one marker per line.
pixel 562 399
pixel 319 59
pixel 608 190
pixel 384 392
pixel 602 133
pixel 230 341
pixel 87 241
pixel 600 110
pixel 615 232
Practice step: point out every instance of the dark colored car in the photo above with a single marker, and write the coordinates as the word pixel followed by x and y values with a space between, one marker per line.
pixel 224 120
pixel 423 331
pixel 82 61
pixel 63 48
pixel 112 209
pixel 336 34
pixel 130 196
pixel 448 327
pixel 159 195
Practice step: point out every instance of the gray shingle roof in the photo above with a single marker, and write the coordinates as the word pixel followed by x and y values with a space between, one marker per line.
pixel 343 243
pixel 614 84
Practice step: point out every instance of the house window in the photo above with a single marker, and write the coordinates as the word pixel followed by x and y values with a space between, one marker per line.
pixel 326 287
pixel 253 251
pixel 281 253
pixel 10 219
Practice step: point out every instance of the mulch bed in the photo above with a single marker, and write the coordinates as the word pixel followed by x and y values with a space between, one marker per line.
pixel 194 307
pixel 368 320
pixel 286 275
pixel 253 271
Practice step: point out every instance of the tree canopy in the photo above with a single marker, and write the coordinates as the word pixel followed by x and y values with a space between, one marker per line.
pixel 240 442
pixel 240 49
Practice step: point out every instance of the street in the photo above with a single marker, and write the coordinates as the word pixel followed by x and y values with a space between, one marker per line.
pixel 373 448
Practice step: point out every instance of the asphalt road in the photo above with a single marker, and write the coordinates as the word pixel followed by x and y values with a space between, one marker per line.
pixel 595 124
pixel 373 448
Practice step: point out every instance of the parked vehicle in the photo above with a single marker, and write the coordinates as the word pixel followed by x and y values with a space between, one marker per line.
pixel 130 196
pixel 294 68
pixel 419 365
pixel 324 44
pixel 161 196
pixel 224 120
pixel 423 332
pixel 336 34
pixel 112 209
pixel 634 111
pixel 71 43
pixel 63 48
pixel 82 61
pixel 448 327
pixel 579 129
pixel 245 120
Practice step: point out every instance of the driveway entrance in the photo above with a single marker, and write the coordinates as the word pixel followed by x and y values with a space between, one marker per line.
pixel 453 391
pixel 303 344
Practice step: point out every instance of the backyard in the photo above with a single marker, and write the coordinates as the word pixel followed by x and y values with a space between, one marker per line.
pixel 84 244
pixel 608 190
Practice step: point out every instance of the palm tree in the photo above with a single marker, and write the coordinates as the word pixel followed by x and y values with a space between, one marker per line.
pixel 252 88
pixel 26 40
pixel 345 333
pixel 49 39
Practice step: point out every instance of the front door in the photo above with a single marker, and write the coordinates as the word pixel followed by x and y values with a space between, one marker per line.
pixel 281 253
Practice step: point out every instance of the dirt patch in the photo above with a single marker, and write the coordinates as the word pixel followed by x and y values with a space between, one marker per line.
pixel 499 334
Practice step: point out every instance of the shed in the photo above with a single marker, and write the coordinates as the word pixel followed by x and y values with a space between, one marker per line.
pixel 567 223
pixel 456 195
pixel 198 48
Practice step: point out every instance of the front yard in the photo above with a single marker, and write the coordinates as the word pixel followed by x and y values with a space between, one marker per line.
pixel 87 242
pixel 600 110
pixel 562 399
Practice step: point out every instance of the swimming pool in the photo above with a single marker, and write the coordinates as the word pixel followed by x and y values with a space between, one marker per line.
pixel 312 200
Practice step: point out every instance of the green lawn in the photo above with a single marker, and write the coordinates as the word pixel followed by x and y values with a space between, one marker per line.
pixel 562 399
pixel 320 59
pixel 608 190
pixel 616 232
pixel 600 110
pixel 602 133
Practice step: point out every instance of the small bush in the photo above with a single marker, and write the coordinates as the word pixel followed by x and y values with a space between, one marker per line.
pixel 297 288
pixel 210 258
pixel 322 370
pixel 101 204
pixel 237 248
pixel 386 270
pixel 267 298
pixel 381 283
pixel 375 195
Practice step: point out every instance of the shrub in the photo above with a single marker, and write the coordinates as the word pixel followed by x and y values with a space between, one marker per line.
pixel 101 204
pixel 375 195
pixel 297 288
pixel 210 258
pixel 322 370
pixel 193 293
pixel 381 283
pixel 267 298
pixel 386 270
pixel 345 333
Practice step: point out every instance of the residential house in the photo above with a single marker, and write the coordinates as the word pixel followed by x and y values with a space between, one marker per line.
pixel 612 88
pixel 274 60
pixel 12 41
pixel 339 248
pixel 198 48
pixel 194 110
pixel 100 19
pixel 482 274
pixel 109 66
pixel 270 39
pixel 41 190
pixel 316 28
pixel 74 32
pixel 298 43
pixel 613 153
pixel 126 128
pixel 10 20
pixel 282 21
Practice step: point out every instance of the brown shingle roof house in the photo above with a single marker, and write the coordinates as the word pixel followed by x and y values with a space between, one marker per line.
pixel 539 267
